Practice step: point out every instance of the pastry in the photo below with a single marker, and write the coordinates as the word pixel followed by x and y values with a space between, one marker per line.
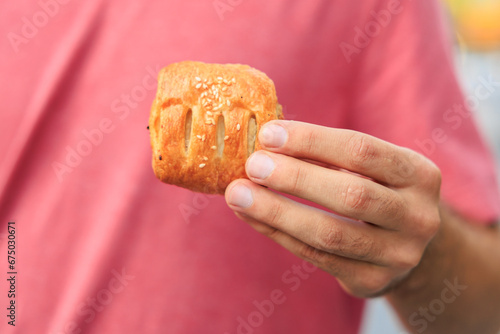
pixel 204 123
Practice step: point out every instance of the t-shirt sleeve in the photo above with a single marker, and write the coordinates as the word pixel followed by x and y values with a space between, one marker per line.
pixel 406 92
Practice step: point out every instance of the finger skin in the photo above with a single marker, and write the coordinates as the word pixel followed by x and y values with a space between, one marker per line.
pixel 338 266
pixel 316 228
pixel 359 278
pixel 360 153
pixel 343 193
pixel 391 193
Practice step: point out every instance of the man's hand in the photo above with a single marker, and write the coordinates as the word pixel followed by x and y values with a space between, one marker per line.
pixel 380 202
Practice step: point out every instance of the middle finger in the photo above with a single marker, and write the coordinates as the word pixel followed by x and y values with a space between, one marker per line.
pixel 344 193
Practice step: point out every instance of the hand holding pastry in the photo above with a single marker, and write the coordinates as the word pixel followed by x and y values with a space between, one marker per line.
pixel 380 202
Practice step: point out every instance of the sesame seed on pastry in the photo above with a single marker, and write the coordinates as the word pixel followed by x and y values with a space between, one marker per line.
pixel 205 120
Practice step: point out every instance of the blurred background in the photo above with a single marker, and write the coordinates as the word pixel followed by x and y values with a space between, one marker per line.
pixel 476 26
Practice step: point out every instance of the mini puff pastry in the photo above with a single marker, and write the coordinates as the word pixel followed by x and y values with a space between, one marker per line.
pixel 205 120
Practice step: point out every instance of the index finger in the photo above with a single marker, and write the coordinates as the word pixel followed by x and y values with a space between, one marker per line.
pixel 354 151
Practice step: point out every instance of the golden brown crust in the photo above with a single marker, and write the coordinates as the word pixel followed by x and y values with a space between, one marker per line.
pixel 207 156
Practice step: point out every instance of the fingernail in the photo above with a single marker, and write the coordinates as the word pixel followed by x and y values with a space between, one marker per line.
pixel 241 196
pixel 260 165
pixel 272 135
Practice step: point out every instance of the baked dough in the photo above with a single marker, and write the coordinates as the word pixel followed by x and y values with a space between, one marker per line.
pixel 205 120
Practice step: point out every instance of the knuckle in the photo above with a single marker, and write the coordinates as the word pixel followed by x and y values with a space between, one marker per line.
pixel 355 197
pixel 393 206
pixel 267 231
pixel 407 260
pixel 432 224
pixel 298 180
pixel 330 237
pixel 424 224
pixel 310 141
pixel 361 149
pixel 275 214
pixel 431 176
pixel 370 285
pixel 435 176
pixel 403 160
pixel 333 239
pixel 366 250
pixel 311 254
pixel 393 176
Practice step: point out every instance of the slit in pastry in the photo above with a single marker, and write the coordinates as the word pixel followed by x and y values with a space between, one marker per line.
pixel 252 133
pixel 188 129
pixel 221 132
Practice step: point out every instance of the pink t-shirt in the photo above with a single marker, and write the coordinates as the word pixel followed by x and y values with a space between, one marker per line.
pixel 104 247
